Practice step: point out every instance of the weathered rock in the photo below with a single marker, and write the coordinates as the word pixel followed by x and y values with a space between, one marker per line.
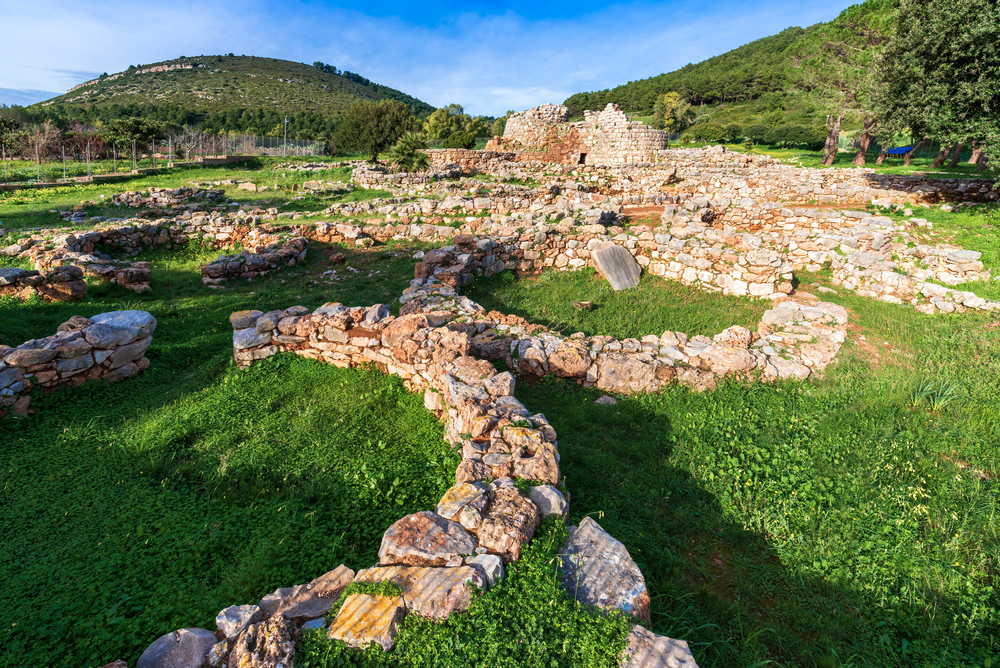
pixel 234 619
pixel 549 500
pixel 570 360
pixel 138 324
pixel 217 654
pixel 424 539
pixel 543 465
pixel 597 570
pixel 308 601
pixel 740 337
pixel 500 385
pixel 250 338
pixel 29 357
pixel 429 592
pixel 457 498
pixel 244 319
pixel 725 360
pixel 490 565
pixel 185 648
pixel 267 644
pixel 624 374
pixel 365 619
pixel 509 522
pixel 645 649
pixel 131 352
pixel 471 470
pixel 471 371
pixel 402 328
pixel 616 265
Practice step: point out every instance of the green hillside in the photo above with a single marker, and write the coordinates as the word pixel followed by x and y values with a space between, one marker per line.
pixel 795 76
pixel 220 83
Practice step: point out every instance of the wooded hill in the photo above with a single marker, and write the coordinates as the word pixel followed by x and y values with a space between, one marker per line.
pixel 240 93
pixel 789 71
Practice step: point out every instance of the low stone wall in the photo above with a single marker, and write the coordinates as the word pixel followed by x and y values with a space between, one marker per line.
pixel 111 346
pixel 169 201
pixel 253 263
pixel 434 556
pixel 60 284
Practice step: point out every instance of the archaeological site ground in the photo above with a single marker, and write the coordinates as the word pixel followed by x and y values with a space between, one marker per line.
pixel 581 398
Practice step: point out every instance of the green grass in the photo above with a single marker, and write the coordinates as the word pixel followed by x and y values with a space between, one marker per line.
pixel 829 523
pixel 527 620
pixel 658 305
pixel 134 509
pixel 29 207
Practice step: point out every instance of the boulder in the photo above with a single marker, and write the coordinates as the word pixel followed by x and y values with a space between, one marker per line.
pixel 549 500
pixel 185 648
pixel 234 619
pixel 597 570
pixel 424 539
pixel 457 498
pixel 509 522
pixel 725 360
pixel 308 601
pixel 402 329
pixel 616 265
pixel 267 644
pixel 624 374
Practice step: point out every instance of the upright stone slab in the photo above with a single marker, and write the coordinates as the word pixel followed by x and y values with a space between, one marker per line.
pixel 598 570
pixel 616 265
pixel 647 650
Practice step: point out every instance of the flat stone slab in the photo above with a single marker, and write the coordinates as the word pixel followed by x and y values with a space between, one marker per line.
pixel 234 619
pixel 647 650
pixel 365 619
pixel 424 539
pixel 184 648
pixel 616 265
pixel 457 498
pixel 138 324
pixel 308 601
pixel 429 592
pixel 598 570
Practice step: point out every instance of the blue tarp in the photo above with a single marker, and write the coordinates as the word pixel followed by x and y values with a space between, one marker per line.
pixel 899 150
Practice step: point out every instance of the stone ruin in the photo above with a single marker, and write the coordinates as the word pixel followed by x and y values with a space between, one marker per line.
pixel 110 346
pixel 604 137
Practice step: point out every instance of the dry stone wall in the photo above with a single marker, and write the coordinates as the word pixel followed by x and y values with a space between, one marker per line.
pixel 60 284
pixel 111 346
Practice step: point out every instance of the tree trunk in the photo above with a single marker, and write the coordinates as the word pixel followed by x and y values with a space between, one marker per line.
pixel 981 165
pixel 941 156
pixel 881 157
pixel 957 156
pixel 977 153
pixel 911 152
pixel 864 142
pixel 832 137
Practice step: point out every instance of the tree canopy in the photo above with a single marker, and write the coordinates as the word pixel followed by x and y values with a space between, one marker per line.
pixel 373 127
pixel 940 73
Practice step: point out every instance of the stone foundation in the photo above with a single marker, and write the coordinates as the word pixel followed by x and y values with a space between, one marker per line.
pixel 111 346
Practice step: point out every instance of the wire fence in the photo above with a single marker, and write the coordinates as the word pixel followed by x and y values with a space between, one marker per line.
pixel 56 165
pixel 929 148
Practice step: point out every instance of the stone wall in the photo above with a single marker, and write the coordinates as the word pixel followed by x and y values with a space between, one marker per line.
pixel 111 346
pixel 60 284
pixel 603 138
pixel 253 263
pixel 479 526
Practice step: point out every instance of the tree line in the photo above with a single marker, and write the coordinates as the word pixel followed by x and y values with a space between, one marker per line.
pixel 898 69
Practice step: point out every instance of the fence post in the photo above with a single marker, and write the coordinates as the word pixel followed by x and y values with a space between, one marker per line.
pixel 3 147
pixel 64 161
pixel 89 175
pixel 133 155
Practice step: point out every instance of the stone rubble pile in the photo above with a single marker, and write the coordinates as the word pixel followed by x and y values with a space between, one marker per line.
pixel 169 202
pixel 111 346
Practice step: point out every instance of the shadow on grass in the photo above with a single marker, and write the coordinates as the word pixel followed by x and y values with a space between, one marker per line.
pixel 714 570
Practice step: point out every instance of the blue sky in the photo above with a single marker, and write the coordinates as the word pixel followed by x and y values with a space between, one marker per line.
pixel 487 56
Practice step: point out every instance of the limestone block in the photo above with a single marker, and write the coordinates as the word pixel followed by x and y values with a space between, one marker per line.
pixel 616 265
pixel 365 619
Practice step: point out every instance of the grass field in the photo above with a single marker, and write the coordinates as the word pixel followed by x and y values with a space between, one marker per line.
pixel 839 522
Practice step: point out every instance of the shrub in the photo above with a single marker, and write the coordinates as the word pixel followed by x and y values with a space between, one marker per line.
pixel 408 155
pixel 707 132
pixel 733 132
pixel 756 132
pixel 790 134
pixel 459 139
